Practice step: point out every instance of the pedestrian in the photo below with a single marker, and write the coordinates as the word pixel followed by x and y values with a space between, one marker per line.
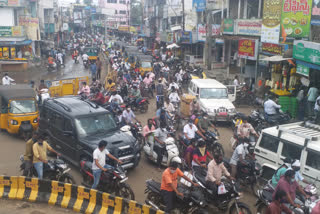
pixel 236 81
pixel 99 67
pixel 28 155
pixel 40 155
pixel 99 162
pixel 312 96
pixel 317 110
pixel 6 80
pixel 93 69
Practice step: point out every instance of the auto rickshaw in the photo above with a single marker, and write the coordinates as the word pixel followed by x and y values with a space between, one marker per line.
pixel 67 87
pixel 145 67
pixel 92 52
pixel 19 110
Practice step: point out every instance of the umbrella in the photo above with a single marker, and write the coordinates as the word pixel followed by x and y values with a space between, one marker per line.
pixel 174 45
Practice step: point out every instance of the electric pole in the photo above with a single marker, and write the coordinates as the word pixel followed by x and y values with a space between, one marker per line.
pixel 208 44
pixel 183 18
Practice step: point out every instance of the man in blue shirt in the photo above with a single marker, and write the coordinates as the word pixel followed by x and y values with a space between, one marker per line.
pixel 93 69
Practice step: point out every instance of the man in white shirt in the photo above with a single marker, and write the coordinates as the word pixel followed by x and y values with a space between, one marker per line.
pixel 189 131
pixel 236 81
pixel 317 110
pixel 6 80
pixel 128 115
pixel 174 97
pixel 173 84
pixel 85 57
pixel 116 97
pixel 99 162
pixel 239 154
pixel 270 107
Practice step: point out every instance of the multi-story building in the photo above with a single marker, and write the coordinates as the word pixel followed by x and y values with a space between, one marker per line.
pixel 120 14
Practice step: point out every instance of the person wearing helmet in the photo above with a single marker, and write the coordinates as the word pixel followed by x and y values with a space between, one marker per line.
pixel 160 135
pixel 200 155
pixel 169 183
pixel 216 170
pixel 245 130
pixel 190 130
pixel 280 171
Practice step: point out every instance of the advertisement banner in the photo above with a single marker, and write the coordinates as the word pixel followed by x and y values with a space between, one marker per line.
pixel 315 14
pixel 77 17
pixel 186 37
pixel 202 31
pixel 250 27
pixel 307 51
pixel 227 26
pixel 17 31
pixel 270 48
pixel 5 31
pixel 31 27
pixel 199 5
pixel 11 3
pixel 295 17
pixel 303 70
pixel 270 29
pixel 248 49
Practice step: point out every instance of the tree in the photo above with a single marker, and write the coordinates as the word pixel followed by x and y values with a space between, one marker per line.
pixel 135 12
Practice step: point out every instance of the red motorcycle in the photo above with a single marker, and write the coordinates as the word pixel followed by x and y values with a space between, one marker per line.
pixel 113 181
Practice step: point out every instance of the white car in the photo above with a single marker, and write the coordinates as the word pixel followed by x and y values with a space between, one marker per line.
pixel 297 141
pixel 214 98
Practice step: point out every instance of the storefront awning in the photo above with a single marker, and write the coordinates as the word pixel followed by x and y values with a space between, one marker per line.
pixel 276 58
pixel 9 43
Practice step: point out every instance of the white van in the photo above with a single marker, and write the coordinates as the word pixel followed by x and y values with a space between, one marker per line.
pixel 299 141
pixel 214 98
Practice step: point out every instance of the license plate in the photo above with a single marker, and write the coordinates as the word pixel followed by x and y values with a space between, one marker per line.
pixel 224 114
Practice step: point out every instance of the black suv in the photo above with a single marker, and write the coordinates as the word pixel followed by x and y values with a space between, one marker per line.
pixel 75 127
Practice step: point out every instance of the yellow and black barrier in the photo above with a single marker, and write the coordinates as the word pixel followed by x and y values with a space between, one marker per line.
pixel 77 198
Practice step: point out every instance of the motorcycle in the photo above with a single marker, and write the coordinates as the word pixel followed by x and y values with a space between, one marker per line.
pixel 247 175
pixel 222 201
pixel 142 106
pixel 135 130
pixel 112 181
pixel 55 169
pixel 265 198
pixel 51 67
pixel 172 152
pixel 193 200
pixel 76 59
pixel 86 64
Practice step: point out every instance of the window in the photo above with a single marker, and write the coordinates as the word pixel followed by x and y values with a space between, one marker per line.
pixel 43 113
pixel 173 20
pixel 112 1
pixel 290 150
pixel 122 12
pixel 313 159
pixel 67 125
pixel 122 2
pixel 270 143
pixel 58 121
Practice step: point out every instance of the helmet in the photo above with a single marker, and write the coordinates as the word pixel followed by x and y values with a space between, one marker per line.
pixel 169 140
pixel 175 159
pixel 201 142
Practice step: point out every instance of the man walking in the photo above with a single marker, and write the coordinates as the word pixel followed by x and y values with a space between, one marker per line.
pixel 99 162
pixel 93 69
pixel 99 67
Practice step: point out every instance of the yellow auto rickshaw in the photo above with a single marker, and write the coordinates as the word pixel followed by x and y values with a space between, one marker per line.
pixel 66 87
pixel 19 110
pixel 145 68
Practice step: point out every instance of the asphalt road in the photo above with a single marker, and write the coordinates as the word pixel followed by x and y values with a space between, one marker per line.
pixel 12 147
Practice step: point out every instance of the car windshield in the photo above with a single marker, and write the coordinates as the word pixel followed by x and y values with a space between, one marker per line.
pixel 213 93
pixel 96 124
pixel 146 64
pixel 22 106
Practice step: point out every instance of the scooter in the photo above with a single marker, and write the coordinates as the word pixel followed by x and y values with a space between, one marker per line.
pixel 172 152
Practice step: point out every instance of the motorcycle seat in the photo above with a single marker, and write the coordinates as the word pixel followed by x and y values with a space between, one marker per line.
pixel 267 195
pixel 154 185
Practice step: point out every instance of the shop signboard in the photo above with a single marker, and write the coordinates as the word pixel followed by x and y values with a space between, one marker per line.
pixel 248 48
pixel 5 31
pixel 303 70
pixel 17 31
pixel 169 37
pixel 315 13
pixel 270 29
pixel 270 48
pixel 227 26
pixel 186 37
pixel 295 18
pixel 199 5
pixel 77 17
pixel 31 27
pixel 11 3
pixel 202 31
pixel 307 51
pixel 250 27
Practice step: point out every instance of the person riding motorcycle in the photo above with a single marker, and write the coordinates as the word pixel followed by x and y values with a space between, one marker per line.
pixel 169 107
pixel 98 97
pixel 190 130
pixel 270 108
pixel 169 183
pixel 239 154
pixel 174 96
pixel 216 170
pixel 28 155
pixel 281 171
pixel 189 152
pixel 204 123
pixel 199 157
pixel 85 58
pixel 135 94
pixel 245 130
pixel 277 205
pixel 160 135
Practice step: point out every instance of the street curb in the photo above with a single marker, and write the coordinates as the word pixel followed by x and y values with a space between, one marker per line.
pixel 73 197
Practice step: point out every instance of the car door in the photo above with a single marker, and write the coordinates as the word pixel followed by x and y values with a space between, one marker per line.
pixel 266 151
pixel 232 92
pixel 310 166
pixel 290 150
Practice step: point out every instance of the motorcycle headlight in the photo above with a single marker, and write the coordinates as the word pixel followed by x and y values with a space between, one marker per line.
pixel 14 122
pixel 62 166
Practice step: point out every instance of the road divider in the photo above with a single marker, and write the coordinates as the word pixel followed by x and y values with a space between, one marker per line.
pixel 76 198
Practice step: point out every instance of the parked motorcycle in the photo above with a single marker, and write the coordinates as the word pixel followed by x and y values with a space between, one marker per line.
pixel 113 181
pixel 172 152
pixel 193 200
pixel 55 169
pixel 222 201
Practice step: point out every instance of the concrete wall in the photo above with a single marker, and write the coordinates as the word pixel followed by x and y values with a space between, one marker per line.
pixel 7 17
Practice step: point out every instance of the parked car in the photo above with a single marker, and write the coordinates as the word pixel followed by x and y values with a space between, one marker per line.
pixel 75 127
pixel 214 98
pixel 300 141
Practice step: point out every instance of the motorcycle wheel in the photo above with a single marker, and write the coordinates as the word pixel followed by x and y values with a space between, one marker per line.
pixel 242 209
pixel 155 199
pixel 256 186
pixel 125 191
pixel 67 178
pixel 262 209
pixel 144 108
